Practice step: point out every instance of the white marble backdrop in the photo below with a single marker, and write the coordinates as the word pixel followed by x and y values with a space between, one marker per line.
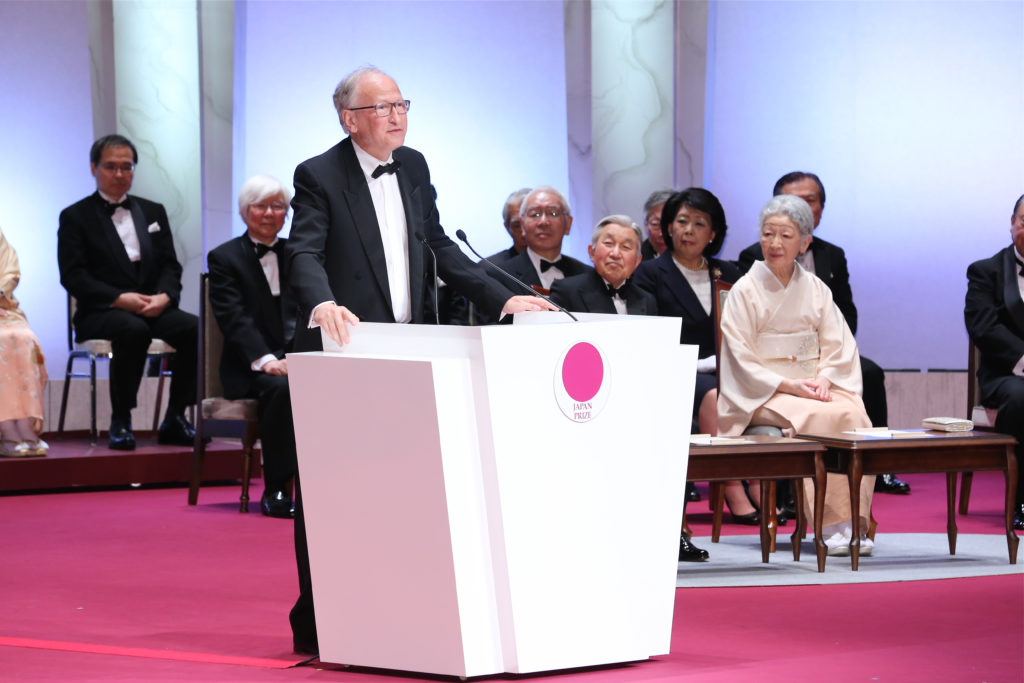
pixel 156 56
pixel 631 53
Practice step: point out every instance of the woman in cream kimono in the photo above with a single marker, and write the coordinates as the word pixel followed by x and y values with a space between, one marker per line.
pixel 22 370
pixel 789 360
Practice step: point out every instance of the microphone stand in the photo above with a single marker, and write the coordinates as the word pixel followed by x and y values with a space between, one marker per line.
pixel 437 310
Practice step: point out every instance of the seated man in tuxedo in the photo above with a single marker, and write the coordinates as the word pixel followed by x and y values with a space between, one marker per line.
pixel 994 314
pixel 546 220
pixel 363 211
pixel 828 262
pixel 615 252
pixel 513 226
pixel 256 313
pixel 116 257
pixel 654 246
pixel 455 308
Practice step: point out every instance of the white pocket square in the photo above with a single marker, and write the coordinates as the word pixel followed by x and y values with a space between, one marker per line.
pixel 153 227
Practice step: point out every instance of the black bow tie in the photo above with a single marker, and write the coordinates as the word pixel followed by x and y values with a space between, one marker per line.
pixel 1019 263
pixel 386 168
pixel 112 207
pixel 623 290
pixel 545 265
pixel 262 249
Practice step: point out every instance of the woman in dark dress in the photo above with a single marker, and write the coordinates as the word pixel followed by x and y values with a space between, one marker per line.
pixel 682 280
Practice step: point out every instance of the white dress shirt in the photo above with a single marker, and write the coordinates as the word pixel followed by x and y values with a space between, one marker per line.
pixel 271 271
pixel 394 230
pixel 547 277
pixel 125 227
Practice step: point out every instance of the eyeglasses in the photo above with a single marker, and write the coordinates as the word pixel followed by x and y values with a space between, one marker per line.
pixel 276 207
pixel 383 109
pixel 111 167
pixel 653 222
pixel 553 214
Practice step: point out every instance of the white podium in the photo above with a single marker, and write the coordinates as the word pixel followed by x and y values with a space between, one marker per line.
pixel 481 500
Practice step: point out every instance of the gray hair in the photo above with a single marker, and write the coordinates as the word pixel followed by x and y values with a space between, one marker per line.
pixel 519 195
pixel 657 197
pixel 616 219
pixel 258 188
pixel 793 208
pixel 550 190
pixel 345 93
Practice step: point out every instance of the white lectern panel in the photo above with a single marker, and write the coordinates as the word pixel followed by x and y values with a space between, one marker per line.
pixel 588 508
pixel 463 519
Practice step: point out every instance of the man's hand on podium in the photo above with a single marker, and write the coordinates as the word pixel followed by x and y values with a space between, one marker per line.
pixel 518 304
pixel 334 320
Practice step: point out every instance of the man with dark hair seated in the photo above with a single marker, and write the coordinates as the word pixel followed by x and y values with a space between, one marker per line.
pixel 116 257
pixel 994 315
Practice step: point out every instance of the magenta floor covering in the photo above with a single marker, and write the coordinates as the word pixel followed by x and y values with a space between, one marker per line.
pixel 135 585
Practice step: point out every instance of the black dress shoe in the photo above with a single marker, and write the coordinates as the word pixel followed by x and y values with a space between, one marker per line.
pixel 688 552
pixel 121 437
pixel 889 483
pixel 749 519
pixel 1018 516
pixel 692 494
pixel 175 430
pixel 277 503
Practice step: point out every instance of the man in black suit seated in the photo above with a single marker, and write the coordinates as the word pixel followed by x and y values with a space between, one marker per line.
pixel 256 313
pixel 546 220
pixel 615 252
pixel 455 308
pixel 116 257
pixel 828 262
pixel 356 254
pixel 513 225
pixel 654 246
pixel 994 314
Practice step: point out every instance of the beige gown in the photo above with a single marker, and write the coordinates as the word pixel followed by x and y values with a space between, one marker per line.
pixel 22 366
pixel 771 332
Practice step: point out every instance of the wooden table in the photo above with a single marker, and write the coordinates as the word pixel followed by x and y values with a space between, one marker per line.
pixel 767 458
pixel 927 451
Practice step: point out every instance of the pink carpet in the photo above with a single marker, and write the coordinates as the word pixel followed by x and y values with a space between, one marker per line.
pixel 135 585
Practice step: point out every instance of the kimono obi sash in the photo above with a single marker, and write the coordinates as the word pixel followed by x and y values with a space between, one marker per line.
pixel 794 356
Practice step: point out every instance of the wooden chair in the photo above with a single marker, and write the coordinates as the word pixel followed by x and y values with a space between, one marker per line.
pixel 216 415
pixel 93 350
pixel 984 419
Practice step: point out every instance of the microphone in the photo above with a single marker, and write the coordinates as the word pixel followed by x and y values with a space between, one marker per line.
pixel 419 235
pixel 462 236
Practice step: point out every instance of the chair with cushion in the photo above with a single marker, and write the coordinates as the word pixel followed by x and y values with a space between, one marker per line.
pixel 94 349
pixel 216 415
pixel 984 419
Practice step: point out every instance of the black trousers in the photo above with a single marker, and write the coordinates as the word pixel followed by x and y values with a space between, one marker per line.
pixel 302 618
pixel 130 335
pixel 277 433
pixel 873 378
pixel 1009 398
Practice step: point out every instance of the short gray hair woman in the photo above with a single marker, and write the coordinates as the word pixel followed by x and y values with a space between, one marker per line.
pixel 793 208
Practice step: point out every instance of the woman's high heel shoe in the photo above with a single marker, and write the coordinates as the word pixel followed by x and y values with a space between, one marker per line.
pixel 749 519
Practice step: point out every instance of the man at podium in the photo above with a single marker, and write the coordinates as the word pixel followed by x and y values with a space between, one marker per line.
pixel 362 243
